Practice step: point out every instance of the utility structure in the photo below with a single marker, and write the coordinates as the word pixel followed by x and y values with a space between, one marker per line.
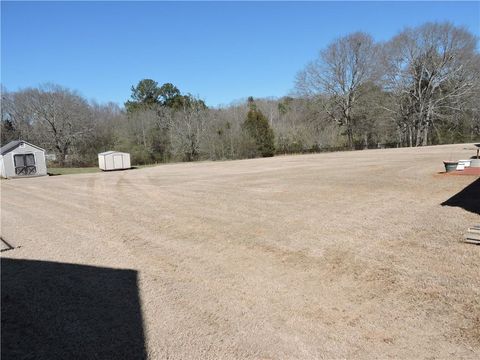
pixel 21 159
pixel 114 160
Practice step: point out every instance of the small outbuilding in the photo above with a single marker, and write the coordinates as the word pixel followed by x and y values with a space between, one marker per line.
pixel 21 159
pixel 114 160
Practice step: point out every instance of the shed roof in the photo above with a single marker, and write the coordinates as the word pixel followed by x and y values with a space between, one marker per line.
pixel 111 152
pixel 14 144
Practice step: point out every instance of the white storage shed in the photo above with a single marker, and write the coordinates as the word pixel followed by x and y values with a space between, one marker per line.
pixel 114 160
pixel 21 159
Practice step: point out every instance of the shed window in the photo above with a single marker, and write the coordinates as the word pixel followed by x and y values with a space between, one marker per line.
pixel 29 159
pixel 19 160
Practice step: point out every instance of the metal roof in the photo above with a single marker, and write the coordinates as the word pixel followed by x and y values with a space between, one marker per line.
pixel 14 144
pixel 111 152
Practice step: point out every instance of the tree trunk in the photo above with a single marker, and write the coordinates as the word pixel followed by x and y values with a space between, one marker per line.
pixel 418 136
pixel 61 159
pixel 62 153
pixel 425 135
pixel 350 138
pixel 427 124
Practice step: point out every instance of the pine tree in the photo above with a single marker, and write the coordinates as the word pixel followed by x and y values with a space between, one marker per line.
pixel 257 126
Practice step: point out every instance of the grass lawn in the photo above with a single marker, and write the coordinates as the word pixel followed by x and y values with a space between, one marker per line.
pixel 335 255
pixel 84 170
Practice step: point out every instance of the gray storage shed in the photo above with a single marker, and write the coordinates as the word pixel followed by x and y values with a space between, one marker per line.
pixel 21 159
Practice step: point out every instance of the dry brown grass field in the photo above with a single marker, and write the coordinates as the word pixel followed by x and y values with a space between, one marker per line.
pixel 335 255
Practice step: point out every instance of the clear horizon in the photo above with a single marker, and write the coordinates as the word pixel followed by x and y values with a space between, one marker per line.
pixel 219 51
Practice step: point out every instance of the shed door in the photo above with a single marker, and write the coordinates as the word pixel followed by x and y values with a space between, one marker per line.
pixel 25 164
pixel 117 161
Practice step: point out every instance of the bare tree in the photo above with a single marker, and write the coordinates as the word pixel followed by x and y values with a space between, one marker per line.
pixel 15 118
pixel 188 127
pixel 431 71
pixel 224 137
pixel 58 116
pixel 107 118
pixel 336 76
pixel 219 140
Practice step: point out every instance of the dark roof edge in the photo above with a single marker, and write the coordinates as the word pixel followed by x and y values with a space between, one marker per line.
pixel 14 144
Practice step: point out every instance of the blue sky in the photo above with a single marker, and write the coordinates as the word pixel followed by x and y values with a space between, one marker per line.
pixel 220 51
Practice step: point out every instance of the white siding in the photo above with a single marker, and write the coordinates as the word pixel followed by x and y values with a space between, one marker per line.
pixel 8 162
pixel 109 162
pixel 2 168
pixel 101 162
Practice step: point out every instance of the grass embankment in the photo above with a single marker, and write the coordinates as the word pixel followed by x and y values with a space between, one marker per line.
pixel 70 171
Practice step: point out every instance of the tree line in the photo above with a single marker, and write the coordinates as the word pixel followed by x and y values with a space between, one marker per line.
pixel 419 88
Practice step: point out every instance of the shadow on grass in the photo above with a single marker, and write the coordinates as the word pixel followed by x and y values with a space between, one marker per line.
pixel 467 199
pixel 66 311
pixel 126 169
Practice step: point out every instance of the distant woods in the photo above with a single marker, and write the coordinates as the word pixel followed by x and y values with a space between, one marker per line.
pixel 419 88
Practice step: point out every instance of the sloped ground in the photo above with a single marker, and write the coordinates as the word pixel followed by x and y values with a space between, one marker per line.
pixel 340 255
